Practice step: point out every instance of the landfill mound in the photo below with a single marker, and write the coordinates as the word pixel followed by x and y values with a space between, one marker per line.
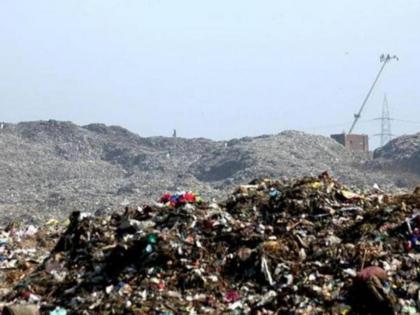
pixel 302 246
pixel 401 153
pixel 51 168
pixel 290 154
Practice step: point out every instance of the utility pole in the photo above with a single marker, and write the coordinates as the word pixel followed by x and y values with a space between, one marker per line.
pixel 385 59
pixel 385 119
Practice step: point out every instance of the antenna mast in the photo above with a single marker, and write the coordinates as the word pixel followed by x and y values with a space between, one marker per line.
pixel 384 60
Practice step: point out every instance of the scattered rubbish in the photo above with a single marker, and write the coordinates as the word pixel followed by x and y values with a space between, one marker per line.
pixel 301 246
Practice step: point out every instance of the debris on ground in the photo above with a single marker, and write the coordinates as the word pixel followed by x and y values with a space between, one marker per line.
pixel 303 246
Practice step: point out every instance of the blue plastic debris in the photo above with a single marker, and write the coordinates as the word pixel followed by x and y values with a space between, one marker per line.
pixel 58 311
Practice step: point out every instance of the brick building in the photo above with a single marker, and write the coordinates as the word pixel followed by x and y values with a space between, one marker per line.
pixel 353 142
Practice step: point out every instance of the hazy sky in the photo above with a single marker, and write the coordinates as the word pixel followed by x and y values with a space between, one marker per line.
pixel 217 69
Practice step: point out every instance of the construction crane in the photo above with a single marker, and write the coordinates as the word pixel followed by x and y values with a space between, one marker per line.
pixel 385 59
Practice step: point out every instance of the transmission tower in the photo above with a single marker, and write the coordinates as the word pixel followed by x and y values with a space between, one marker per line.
pixel 385 119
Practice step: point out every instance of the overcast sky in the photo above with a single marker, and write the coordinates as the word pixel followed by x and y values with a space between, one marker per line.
pixel 217 69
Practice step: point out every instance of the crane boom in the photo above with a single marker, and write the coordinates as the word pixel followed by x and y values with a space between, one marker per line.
pixel 384 60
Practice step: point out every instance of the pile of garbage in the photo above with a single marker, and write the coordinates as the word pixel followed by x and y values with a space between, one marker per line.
pixel 302 246
pixel 402 153
pixel 53 167
pixel 22 249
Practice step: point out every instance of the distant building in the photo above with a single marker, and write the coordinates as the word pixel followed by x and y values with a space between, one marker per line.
pixel 353 142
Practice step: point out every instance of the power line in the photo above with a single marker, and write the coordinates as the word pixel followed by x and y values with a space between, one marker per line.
pixel 324 126
pixel 398 120
pixel 365 121
pixel 407 121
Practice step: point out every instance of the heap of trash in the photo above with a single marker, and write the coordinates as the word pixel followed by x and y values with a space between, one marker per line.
pixel 301 246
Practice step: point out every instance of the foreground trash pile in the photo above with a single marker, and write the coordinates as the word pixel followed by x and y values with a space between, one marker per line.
pixel 305 246
pixel 22 250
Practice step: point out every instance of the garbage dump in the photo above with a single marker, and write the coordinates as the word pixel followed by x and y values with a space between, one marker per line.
pixel 300 246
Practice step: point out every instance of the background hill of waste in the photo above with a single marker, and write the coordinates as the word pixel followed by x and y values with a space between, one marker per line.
pixel 402 153
pixel 50 168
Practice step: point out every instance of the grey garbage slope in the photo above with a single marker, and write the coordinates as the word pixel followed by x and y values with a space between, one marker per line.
pixel 290 154
pixel 50 168
pixel 401 153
